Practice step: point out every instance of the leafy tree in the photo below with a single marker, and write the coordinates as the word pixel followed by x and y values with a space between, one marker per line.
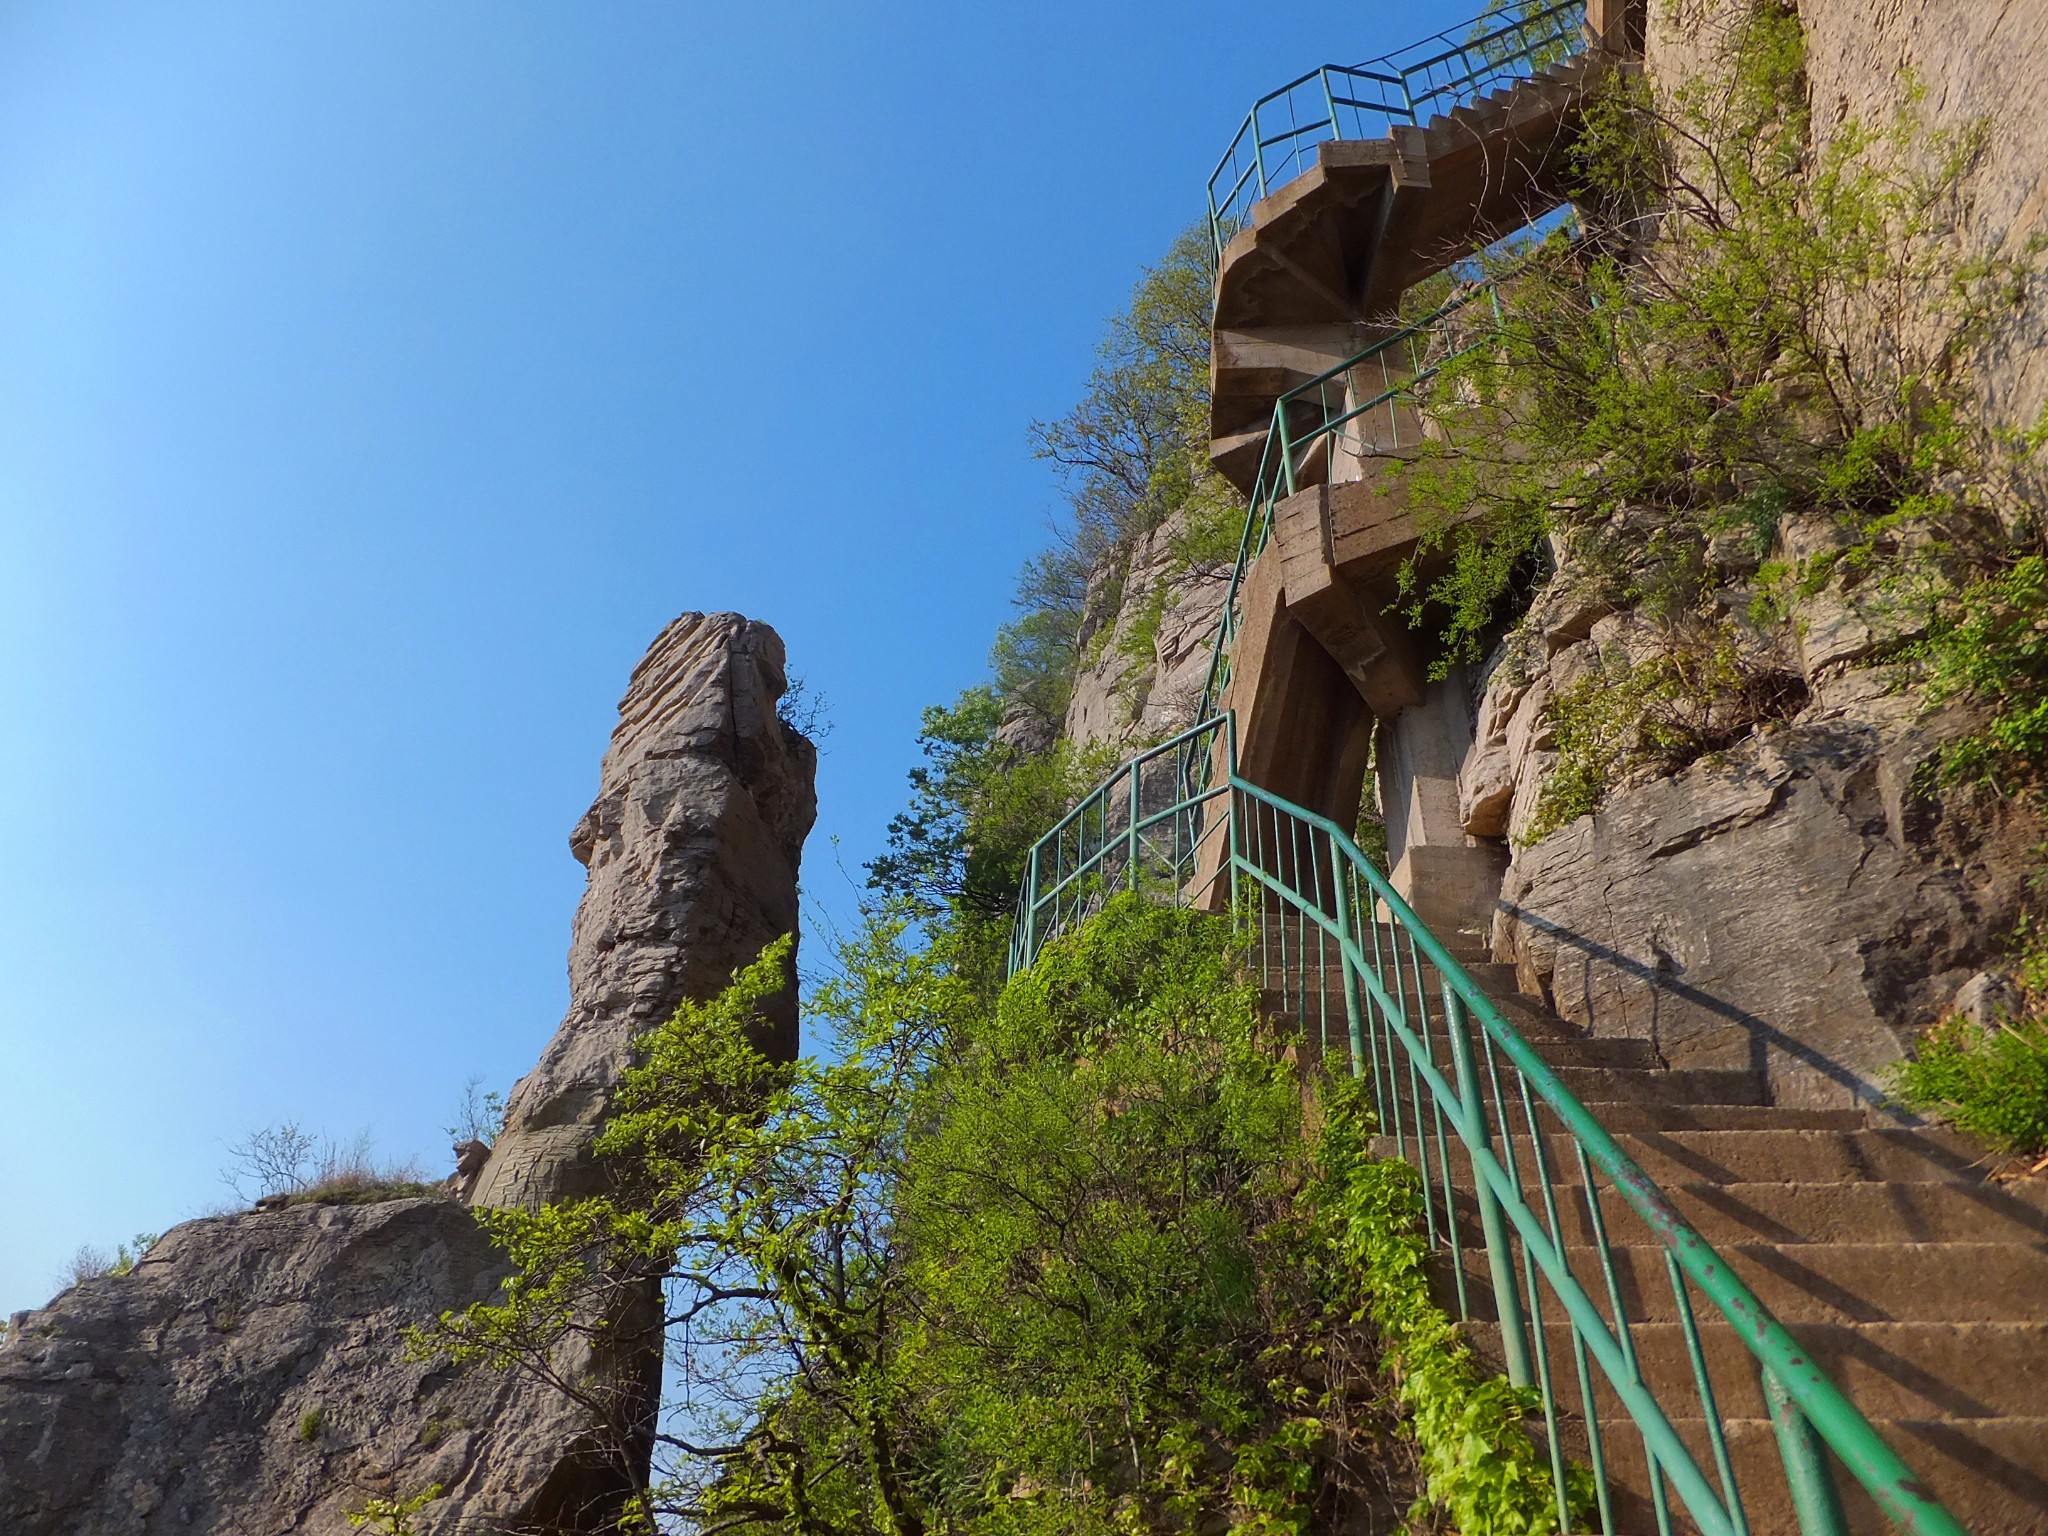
pixel 1132 452
pixel 978 803
pixel 1032 1269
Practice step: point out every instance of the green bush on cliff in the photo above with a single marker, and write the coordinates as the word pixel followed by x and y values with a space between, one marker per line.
pixel 1756 318
pixel 1988 1081
pixel 1064 1264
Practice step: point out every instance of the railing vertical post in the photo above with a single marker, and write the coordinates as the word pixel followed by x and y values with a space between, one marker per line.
pixel 1258 154
pixel 1500 1258
pixel 1031 911
pixel 1330 102
pixel 1814 1499
pixel 1131 829
pixel 1347 941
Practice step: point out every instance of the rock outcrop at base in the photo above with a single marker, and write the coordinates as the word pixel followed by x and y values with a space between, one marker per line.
pixel 252 1374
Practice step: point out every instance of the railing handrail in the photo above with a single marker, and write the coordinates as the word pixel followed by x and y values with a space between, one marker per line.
pixel 1848 1433
pixel 1150 753
pixel 1824 1407
pixel 1486 52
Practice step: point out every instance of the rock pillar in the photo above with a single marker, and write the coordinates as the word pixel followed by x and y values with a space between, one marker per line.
pixel 252 1374
pixel 692 845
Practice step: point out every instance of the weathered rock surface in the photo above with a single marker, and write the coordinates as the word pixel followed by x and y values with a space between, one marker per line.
pixel 1136 688
pixel 1974 64
pixel 251 1375
pixel 692 845
pixel 1791 904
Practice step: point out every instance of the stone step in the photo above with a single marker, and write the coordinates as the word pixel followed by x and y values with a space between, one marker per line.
pixel 1599 1086
pixel 1820 1282
pixel 1622 1119
pixel 1885 1155
pixel 1860 1212
pixel 1889 1370
pixel 1992 1474
pixel 1559 1051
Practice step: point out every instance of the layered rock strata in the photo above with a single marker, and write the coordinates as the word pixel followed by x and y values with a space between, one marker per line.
pixel 1801 902
pixel 252 1374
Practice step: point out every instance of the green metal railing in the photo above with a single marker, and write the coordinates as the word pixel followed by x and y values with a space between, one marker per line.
pixel 1364 101
pixel 1368 406
pixel 1141 829
pixel 1566 1239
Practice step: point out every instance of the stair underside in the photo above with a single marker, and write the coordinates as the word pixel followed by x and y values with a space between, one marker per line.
pixel 1327 255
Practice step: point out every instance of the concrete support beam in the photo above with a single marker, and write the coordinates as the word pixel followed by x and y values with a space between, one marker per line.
pixel 1450 879
pixel 1616 26
pixel 1340 549
pixel 1302 729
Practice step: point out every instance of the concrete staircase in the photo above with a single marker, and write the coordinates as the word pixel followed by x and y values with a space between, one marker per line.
pixel 1917 1283
pixel 1315 276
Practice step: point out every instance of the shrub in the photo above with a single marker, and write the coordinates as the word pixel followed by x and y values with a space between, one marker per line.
pixel 1988 1081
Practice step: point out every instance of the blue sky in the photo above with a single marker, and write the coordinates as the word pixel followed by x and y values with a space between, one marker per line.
pixel 376 379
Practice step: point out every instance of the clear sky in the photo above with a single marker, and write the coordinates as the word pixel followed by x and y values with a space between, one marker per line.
pixel 377 378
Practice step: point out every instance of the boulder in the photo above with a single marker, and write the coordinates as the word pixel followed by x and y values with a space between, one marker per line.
pixel 1798 904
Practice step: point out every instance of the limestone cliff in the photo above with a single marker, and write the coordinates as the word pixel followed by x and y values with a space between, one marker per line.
pixel 1796 899
pixel 251 1375
pixel 1152 624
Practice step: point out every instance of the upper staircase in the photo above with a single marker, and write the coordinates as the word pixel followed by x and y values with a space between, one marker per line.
pixel 1313 269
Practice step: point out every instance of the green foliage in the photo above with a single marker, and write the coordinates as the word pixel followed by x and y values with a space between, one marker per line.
pixel 1481 1468
pixel 393 1517
pixel 1132 453
pixel 309 1425
pixel 977 805
pixel 1034 1268
pixel 1758 319
pixel 1990 644
pixel 1119 1303
pixel 128 1255
pixel 1694 696
pixel 1989 1081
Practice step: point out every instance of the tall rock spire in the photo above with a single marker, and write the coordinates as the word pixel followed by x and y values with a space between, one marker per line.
pixel 692 846
pixel 252 1372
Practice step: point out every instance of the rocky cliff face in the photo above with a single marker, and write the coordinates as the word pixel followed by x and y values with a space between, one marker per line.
pixel 1796 899
pixel 251 1375
pixel 1977 65
pixel 1149 649
pixel 1797 902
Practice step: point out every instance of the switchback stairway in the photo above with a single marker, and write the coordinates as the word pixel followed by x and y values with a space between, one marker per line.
pixel 1346 187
